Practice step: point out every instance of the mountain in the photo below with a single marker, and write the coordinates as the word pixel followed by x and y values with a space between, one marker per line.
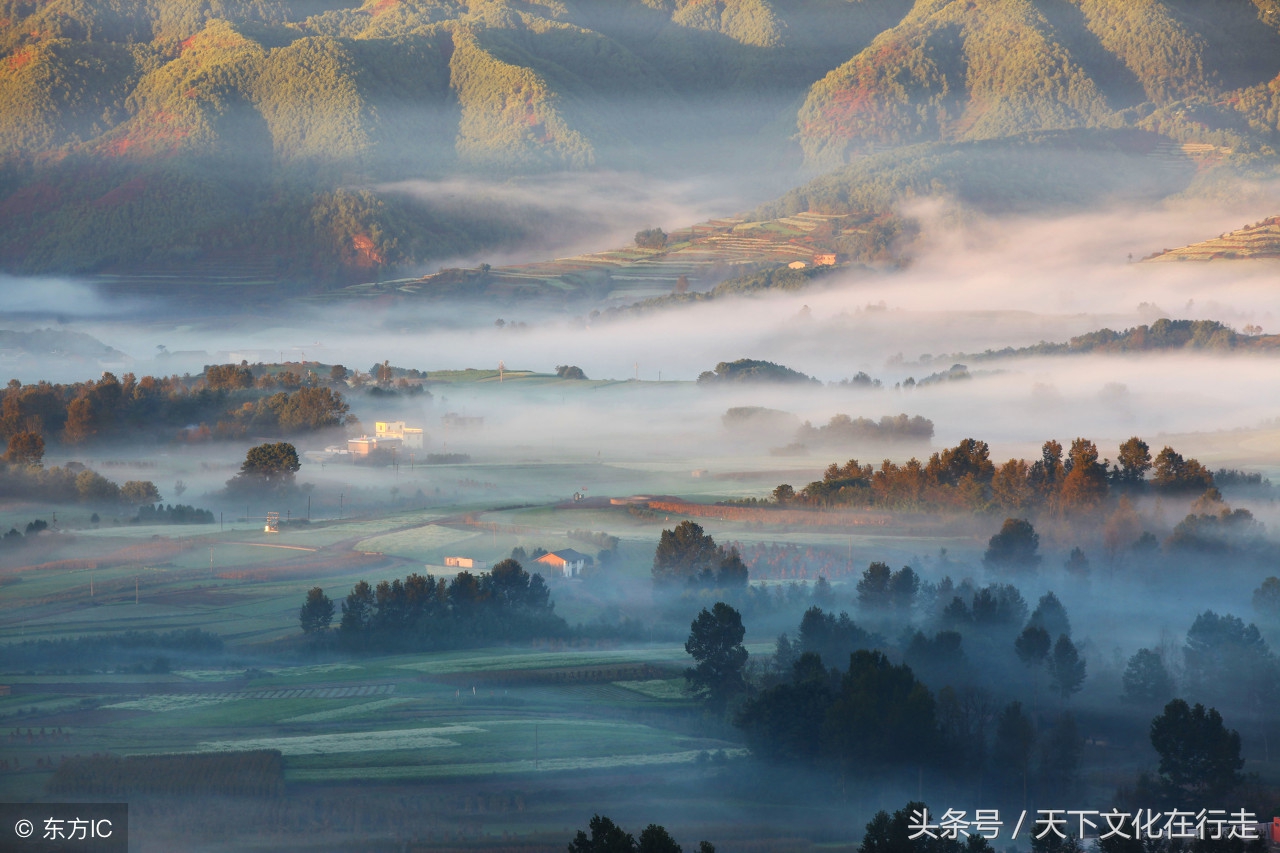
pixel 256 141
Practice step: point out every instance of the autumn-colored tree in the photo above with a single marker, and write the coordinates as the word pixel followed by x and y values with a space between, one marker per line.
pixel 25 448
pixel 1135 462
pixel 136 492
pixel 1010 488
pixel 82 421
pixel 1085 486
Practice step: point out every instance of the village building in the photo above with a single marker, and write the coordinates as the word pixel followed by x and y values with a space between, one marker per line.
pixel 567 562
pixel 411 438
pixel 465 563
pixel 371 449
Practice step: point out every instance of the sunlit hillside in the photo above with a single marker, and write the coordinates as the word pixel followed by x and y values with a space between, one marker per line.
pixel 268 139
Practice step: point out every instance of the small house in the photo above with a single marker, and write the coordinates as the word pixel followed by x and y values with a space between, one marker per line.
pixel 826 259
pixel 465 563
pixel 568 563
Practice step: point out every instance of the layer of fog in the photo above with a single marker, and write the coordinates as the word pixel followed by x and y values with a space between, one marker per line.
pixel 988 284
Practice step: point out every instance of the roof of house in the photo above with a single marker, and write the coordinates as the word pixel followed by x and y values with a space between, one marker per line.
pixel 566 555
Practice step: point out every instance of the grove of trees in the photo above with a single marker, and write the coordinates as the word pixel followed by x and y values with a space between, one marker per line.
pixel 423 612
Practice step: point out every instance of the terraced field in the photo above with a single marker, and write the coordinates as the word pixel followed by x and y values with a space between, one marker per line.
pixel 704 254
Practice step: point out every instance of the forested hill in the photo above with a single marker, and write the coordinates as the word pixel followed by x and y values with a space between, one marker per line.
pixel 248 133
pixel 268 136
pixel 1162 335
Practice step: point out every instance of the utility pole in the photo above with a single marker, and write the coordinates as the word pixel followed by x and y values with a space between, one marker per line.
pixel 135 589
pixel 211 561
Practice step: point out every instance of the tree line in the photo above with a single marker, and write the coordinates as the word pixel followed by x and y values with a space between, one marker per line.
pixel 423 612
pixel 965 477
pixel 235 399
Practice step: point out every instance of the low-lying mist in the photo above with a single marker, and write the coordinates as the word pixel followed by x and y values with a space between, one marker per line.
pixel 986 284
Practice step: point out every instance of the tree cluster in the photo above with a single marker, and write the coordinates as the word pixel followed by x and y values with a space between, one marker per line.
pixel 607 837
pixel 750 370
pixel 227 396
pixel 689 556
pixel 965 477
pixel 423 612
pixel 842 429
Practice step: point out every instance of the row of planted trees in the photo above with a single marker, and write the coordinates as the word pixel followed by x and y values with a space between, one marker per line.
pixel 423 612
pixel 965 477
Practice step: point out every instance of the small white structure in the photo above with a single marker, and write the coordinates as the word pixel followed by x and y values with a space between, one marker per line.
pixel 411 438
pixel 568 562
pixel 465 563
pixel 797 265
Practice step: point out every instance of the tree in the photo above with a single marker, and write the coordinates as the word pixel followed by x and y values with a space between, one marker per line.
pixel 873 588
pixel 1175 474
pixel 830 638
pixel 1135 462
pixel 606 837
pixel 1085 486
pixel 25 448
pixel 882 714
pixel 1266 599
pixel 316 612
pixel 1228 661
pixel 1066 668
pixel 656 839
pixel 715 642
pixel 1077 564
pixel 82 421
pixel 139 492
pixel 311 409
pixel 570 371
pixel 1146 679
pixel 227 377
pixel 1033 646
pixel 357 615
pixel 651 238
pixel 1199 757
pixel 338 373
pixel 95 488
pixel 1051 615
pixel 732 572
pixel 267 467
pixel 684 553
pixel 1014 547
